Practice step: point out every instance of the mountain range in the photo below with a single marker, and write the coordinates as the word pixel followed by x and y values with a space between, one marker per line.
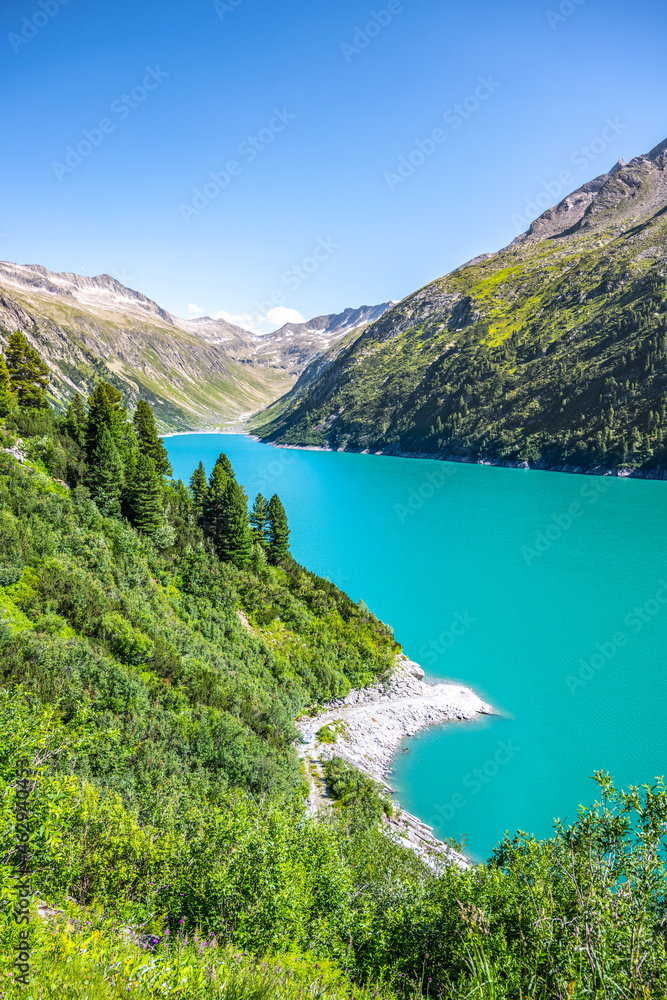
pixel 197 373
pixel 551 352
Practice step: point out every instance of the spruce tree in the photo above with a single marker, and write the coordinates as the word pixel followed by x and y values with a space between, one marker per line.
pixel 28 374
pixel 144 496
pixel 278 529
pixel 214 504
pixel 76 420
pixel 226 466
pixel 259 518
pixel 105 473
pixel 235 538
pixel 184 495
pixel 199 487
pixel 105 409
pixel 149 442
pixel 6 398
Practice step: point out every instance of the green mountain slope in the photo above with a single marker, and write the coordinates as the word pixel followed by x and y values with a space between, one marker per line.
pixel 89 329
pixel 199 373
pixel 552 351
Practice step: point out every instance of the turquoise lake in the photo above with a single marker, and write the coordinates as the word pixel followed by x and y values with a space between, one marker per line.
pixel 546 593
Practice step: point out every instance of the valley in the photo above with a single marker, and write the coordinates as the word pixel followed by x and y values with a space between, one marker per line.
pixel 200 373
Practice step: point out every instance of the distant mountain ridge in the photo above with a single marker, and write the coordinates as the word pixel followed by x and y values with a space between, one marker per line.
pixel 294 344
pixel 551 352
pixel 197 373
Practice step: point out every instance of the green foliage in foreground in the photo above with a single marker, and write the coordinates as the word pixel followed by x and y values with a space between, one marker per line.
pixel 551 351
pixel 80 955
pixel 580 915
pixel 156 725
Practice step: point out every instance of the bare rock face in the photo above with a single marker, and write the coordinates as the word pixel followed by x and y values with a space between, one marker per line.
pixel 566 215
pixel 628 190
pixel 101 293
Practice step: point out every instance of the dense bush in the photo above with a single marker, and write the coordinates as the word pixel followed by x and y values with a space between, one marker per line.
pixel 359 797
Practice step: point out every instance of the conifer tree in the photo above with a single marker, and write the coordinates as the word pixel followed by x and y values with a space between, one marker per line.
pixel 105 473
pixel 6 398
pixel 224 464
pixel 259 519
pixel 149 442
pixel 144 495
pixel 28 374
pixel 235 538
pixel 184 495
pixel 105 409
pixel 278 529
pixel 76 419
pixel 215 500
pixel 199 487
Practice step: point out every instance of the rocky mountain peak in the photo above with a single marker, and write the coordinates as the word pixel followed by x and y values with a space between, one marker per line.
pixel 102 293
pixel 627 190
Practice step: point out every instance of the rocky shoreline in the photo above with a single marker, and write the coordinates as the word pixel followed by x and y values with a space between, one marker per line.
pixel 618 472
pixel 368 726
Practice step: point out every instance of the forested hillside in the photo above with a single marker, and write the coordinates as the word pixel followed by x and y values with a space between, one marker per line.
pixel 551 352
pixel 157 642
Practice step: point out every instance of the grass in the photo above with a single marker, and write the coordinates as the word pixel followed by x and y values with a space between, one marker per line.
pixel 80 954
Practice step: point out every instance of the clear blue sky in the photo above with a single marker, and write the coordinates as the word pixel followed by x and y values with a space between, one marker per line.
pixel 350 106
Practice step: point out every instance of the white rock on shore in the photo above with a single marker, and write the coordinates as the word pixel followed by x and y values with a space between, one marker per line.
pixel 376 721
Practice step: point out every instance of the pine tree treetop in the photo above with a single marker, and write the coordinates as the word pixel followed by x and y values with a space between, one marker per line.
pixel 226 465
pixel 29 375
pixel 148 440
pixel 6 397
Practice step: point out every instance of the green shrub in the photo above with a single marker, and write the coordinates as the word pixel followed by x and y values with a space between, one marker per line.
pixel 359 797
